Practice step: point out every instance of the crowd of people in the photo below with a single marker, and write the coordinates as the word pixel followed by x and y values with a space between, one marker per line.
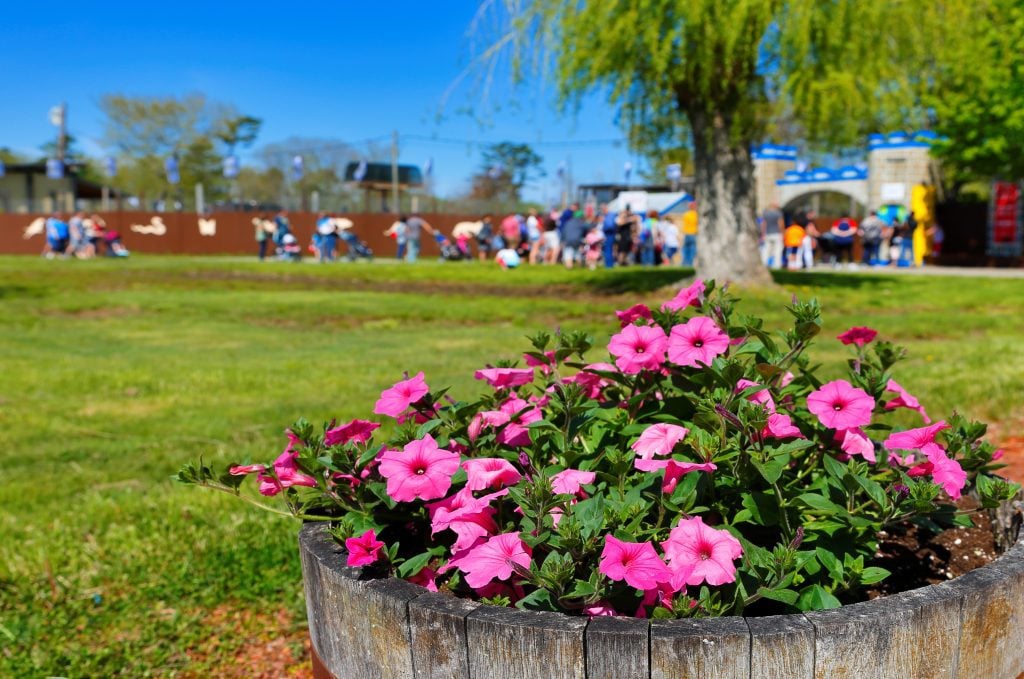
pixel 799 242
pixel 573 237
pixel 81 236
pixel 605 237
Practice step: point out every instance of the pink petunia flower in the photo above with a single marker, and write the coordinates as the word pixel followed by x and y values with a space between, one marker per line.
pixel 945 471
pixel 635 562
pixel 242 470
pixel 597 609
pixel 356 431
pixel 762 396
pixel 904 400
pixel 698 553
pixel 659 439
pixel 363 550
pixel 492 559
pixel 570 481
pixel 786 380
pixel 856 442
pixel 922 438
pixel 505 378
pixel 468 517
pixel 422 471
pixel 633 314
pixel 858 335
pixel 546 366
pixel 691 296
pixel 840 405
pixel 394 401
pixel 490 472
pixel 674 470
pixel 662 595
pixel 638 348
pixel 781 427
pixel 512 415
pixel 696 342
pixel 588 378
pixel 425 578
pixel 288 475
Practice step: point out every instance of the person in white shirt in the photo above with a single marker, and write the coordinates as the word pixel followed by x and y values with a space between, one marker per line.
pixel 669 240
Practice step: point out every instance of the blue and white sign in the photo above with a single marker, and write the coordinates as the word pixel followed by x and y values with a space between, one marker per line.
pixel 55 168
pixel 494 172
pixel 674 172
pixel 360 171
pixel 298 168
pixel 110 166
pixel 171 169
pixel 231 167
pixel 627 170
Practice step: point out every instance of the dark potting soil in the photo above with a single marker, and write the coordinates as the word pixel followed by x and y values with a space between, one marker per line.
pixel 917 556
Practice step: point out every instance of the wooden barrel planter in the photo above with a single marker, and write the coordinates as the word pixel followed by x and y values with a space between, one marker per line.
pixel 971 627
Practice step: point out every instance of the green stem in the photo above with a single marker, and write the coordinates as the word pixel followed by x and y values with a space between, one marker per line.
pixel 268 508
pixel 787 531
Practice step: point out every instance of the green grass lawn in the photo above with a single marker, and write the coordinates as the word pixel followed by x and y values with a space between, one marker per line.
pixel 115 372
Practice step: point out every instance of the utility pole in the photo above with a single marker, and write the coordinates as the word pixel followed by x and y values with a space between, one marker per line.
pixel 395 208
pixel 62 134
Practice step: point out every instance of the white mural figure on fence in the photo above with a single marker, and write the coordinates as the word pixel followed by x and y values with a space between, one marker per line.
pixel 467 229
pixel 207 227
pixel 156 227
pixel 36 228
pixel 265 224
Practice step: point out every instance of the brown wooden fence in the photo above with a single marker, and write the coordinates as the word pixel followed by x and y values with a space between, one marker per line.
pixel 181 233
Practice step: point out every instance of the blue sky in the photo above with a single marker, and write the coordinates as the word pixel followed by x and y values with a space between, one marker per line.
pixel 348 70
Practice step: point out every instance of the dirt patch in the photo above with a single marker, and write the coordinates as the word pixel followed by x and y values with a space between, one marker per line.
pixel 249 644
pixel 917 556
pixel 1009 437
pixel 98 313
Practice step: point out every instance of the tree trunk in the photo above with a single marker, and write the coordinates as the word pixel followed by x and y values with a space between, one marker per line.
pixel 727 243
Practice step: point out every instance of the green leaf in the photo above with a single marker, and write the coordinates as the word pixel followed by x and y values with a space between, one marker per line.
pixel 874 490
pixel 834 467
pixel 762 508
pixel 772 470
pixel 581 590
pixel 815 501
pixel 414 565
pixel 537 600
pixel 786 596
pixel 427 427
pixel 873 574
pixel 817 598
pixel 830 562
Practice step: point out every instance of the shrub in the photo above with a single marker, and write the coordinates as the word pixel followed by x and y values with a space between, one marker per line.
pixel 709 466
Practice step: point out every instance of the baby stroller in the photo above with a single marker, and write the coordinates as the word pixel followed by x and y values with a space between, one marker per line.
pixel 290 250
pixel 450 252
pixel 357 249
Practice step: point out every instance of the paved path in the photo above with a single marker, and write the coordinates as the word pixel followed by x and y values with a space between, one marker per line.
pixel 961 271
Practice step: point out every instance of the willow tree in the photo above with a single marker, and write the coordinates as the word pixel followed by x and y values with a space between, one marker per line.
pixel 718 74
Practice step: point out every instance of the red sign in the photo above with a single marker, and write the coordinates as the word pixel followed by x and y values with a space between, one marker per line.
pixel 1005 219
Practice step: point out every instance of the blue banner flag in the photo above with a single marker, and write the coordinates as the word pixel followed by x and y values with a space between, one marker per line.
pixel 231 167
pixel 55 168
pixel 171 168
pixel 298 168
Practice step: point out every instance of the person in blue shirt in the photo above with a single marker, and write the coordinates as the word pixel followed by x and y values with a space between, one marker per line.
pixel 567 214
pixel 57 236
pixel 328 237
pixel 282 228
pixel 608 227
